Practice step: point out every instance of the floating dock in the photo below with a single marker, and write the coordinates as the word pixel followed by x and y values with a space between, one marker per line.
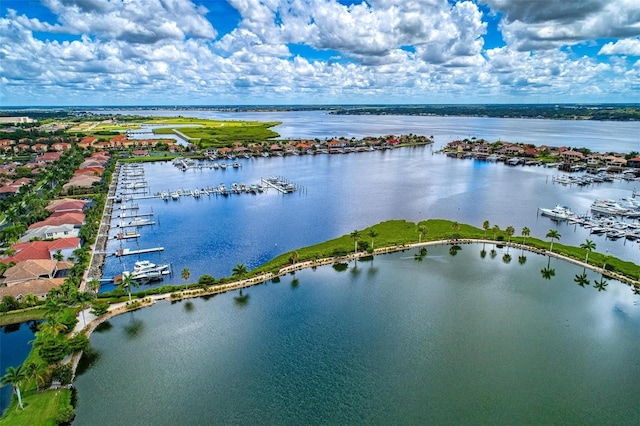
pixel 128 252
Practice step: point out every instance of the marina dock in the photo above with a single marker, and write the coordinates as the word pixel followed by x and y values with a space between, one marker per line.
pixel 128 252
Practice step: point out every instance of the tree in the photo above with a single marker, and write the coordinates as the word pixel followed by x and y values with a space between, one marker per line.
pixel 30 300
pixel 52 326
pixel 239 271
pixel 35 371
pixel 525 233
pixel 127 281
pixel 355 235
pixel 372 234
pixel 485 226
pixel 99 307
pixel 456 228
pixel 58 256
pixel 495 231
pixel 94 285
pixel 506 258
pixel 421 232
pixel 589 246
pixel 83 302
pixel 14 376
pixel 509 231
pixel 553 234
pixel 185 274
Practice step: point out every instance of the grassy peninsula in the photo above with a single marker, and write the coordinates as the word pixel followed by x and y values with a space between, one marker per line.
pixel 43 408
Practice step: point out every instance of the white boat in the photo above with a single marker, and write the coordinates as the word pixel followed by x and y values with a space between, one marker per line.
pixel 559 212
pixel 139 221
pixel 145 266
pixel 608 208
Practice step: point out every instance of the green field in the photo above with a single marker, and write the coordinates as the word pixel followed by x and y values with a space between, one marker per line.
pixel 40 409
pixel 213 133
pixel 395 233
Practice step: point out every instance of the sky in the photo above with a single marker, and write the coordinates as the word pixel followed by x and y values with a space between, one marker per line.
pixel 319 52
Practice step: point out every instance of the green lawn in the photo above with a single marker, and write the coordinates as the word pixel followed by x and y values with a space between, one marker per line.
pixel 40 409
pixel 22 315
pixel 213 133
pixel 401 232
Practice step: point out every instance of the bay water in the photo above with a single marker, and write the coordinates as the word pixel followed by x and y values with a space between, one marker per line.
pixel 446 340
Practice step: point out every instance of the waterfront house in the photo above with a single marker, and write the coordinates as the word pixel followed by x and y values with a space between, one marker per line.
pixel 634 162
pixel 572 157
pixel 42 250
pixel 49 232
pixel 57 219
pixel 66 205
pixel 33 277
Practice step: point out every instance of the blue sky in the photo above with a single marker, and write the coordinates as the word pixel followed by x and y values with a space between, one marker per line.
pixel 222 52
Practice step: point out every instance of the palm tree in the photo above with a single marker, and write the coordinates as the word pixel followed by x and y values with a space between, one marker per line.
pixel 239 271
pixel 185 274
pixel 58 256
pixel 506 258
pixel 522 259
pixel 355 235
pixel 372 234
pixel 52 307
pixel 509 231
pixel 34 370
pixel 52 326
pixel 485 226
pixel 421 231
pixel 30 299
pixel 483 253
pixel 553 234
pixel 581 279
pixel 589 246
pixel 84 299
pixel 525 233
pixel 14 376
pixel 94 285
pixel 495 231
pixel 127 281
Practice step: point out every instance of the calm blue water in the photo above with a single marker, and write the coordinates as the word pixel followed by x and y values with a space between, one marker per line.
pixel 601 136
pixel 448 340
pixel 14 348
pixel 342 193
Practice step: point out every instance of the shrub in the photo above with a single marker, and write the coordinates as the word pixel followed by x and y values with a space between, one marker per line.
pixel 99 307
pixel 63 374
pixel 206 280
pixel 65 414
pixel 79 342
pixel 52 349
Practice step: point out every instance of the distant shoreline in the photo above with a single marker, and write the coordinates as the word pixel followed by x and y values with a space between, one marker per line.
pixel 588 111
